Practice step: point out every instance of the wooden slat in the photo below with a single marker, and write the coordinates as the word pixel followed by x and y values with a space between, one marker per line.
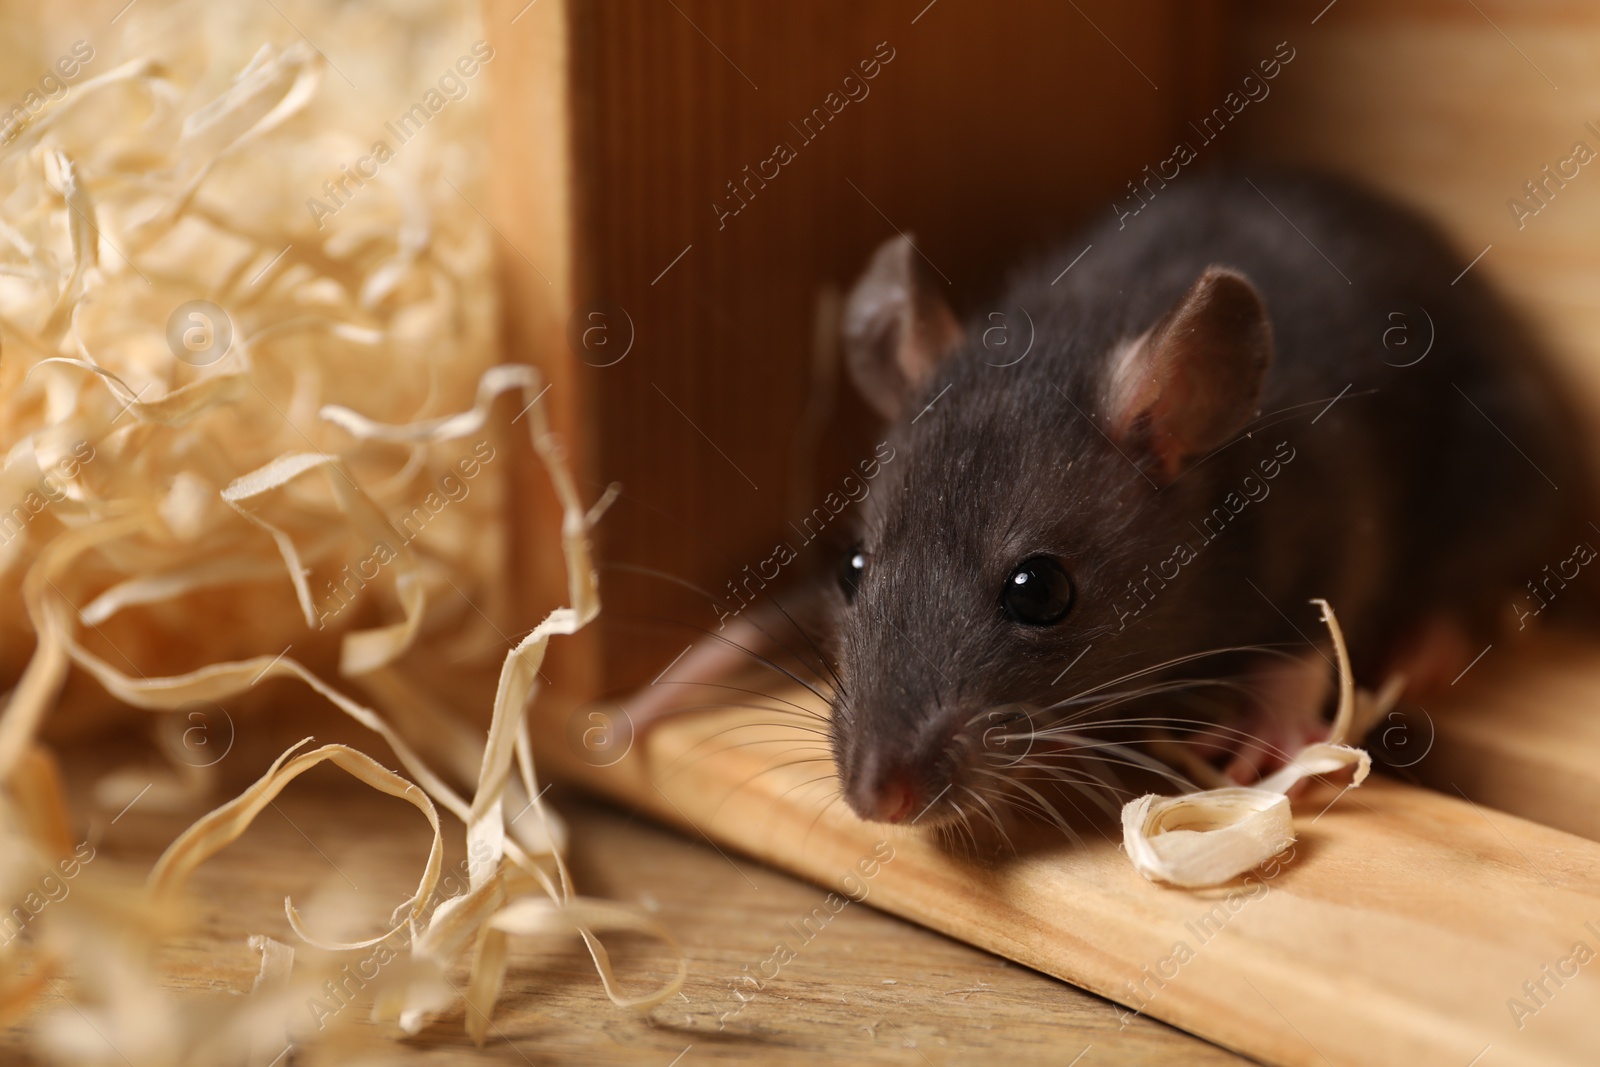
pixel 1400 933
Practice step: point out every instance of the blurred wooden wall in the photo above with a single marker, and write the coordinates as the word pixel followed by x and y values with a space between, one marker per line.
pixel 987 132
pixel 1454 107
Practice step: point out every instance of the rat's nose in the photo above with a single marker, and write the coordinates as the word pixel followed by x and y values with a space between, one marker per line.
pixel 893 800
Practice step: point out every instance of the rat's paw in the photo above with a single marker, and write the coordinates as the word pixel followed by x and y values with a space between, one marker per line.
pixel 1273 738
pixel 1284 715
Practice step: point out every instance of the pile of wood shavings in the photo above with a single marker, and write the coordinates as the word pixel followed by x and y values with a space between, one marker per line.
pixel 181 511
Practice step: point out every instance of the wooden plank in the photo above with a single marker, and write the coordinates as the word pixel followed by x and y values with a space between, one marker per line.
pixel 1401 933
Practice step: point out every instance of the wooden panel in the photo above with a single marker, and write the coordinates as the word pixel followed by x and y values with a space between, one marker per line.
pixel 984 131
pixel 530 209
pixel 1401 932
pixel 1455 107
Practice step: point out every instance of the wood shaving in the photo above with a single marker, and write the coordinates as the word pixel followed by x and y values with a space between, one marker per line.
pixel 1211 837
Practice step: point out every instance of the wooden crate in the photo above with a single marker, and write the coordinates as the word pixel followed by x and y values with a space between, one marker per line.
pixel 1405 930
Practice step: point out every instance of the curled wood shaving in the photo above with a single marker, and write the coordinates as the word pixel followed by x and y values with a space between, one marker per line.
pixel 224 825
pixel 1210 837
pixel 362 651
pixel 531 916
pixel 475 914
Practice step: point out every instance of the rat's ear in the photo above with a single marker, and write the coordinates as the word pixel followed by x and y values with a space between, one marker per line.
pixel 1193 380
pixel 896 328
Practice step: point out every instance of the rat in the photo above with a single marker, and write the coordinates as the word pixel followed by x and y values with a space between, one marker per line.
pixel 1260 389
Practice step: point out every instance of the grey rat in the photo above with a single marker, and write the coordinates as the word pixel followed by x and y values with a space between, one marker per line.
pixel 1215 422
pixel 1050 530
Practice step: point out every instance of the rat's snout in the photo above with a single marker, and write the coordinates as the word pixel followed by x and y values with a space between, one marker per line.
pixel 884 792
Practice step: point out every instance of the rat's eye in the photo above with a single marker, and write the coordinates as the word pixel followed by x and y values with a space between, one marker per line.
pixel 1037 593
pixel 851 572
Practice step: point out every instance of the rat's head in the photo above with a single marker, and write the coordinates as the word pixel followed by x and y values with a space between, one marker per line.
pixel 1016 507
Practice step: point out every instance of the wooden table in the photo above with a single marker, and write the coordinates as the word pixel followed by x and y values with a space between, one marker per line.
pixel 869 988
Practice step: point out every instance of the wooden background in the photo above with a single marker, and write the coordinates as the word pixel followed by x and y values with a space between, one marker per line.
pixel 1454 107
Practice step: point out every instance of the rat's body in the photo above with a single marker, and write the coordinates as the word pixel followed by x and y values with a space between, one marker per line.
pixel 1194 453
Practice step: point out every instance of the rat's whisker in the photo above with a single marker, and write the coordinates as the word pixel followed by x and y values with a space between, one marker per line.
pixel 729 642
pixel 827 803
pixel 1175 661
pixel 1016 712
pixel 1209 738
pixel 1171 722
pixel 1100 702
pixel 716 810
pixel 1089 786
pixel 777 764
pixel 711 600
pixel 792 707
pixel 1101 770
pixel 778 802
pixel 1081 770
pixel 1043 806
pixel 808 781
pixel 989 813
pixel 753 622
pixel 833 674
pixel 961 826
pixel 799 728
pixel 1120 754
